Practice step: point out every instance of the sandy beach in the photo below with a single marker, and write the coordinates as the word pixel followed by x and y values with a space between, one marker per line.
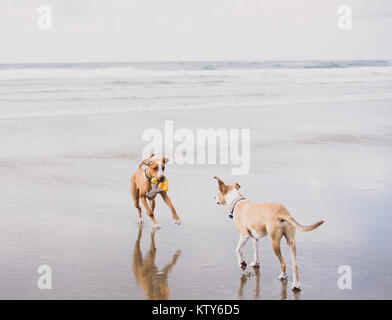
pixel 65 202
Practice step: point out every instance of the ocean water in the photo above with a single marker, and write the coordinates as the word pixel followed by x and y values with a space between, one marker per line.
pixel 36 90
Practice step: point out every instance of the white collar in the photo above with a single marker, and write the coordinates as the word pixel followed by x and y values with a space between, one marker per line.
pixel 234 203
pixel 232 198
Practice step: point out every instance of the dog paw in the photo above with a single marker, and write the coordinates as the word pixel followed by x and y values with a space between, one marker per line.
pixel 283 276
pixel 296 286
pixel 141 221
pixel 255 264
pixel 177 222
pixel 243 265
pixel 156 226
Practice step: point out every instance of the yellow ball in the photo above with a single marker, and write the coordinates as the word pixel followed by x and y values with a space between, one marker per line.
pixel 166 185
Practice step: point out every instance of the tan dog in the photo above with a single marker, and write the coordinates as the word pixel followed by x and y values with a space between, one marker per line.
pixel 143 189
pixel 256 220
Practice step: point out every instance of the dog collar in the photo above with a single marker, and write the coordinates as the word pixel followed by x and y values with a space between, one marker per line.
pixel 149 179
pixel 233 205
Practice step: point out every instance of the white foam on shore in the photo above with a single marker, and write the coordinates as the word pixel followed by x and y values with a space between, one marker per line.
pixel 37 91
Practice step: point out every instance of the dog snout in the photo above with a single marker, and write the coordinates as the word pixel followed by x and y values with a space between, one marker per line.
pixel 161 178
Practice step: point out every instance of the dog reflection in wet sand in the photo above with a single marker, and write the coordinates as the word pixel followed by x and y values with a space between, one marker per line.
pixel 244 278
pixel 256 291
pixel 153 282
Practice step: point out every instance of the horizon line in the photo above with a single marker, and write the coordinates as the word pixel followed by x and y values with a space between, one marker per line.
pixel 190 61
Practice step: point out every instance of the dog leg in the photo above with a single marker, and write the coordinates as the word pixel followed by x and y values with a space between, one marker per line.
pixel 152 205
pixel 139 211
pixel 241 242
pixel 296 283
pixel 150 213
pixel 256 262
pixel 275 243
pixel 135 196
pixel 175 217
pixel 289 235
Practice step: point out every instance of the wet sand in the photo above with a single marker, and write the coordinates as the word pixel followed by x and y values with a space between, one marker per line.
pixel 64 202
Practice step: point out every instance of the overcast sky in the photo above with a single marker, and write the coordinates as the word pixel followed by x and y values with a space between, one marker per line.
pixel 163 30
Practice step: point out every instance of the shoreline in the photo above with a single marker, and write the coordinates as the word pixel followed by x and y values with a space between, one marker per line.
pixel 253 106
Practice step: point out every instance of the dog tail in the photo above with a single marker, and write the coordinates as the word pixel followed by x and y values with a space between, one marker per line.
pixel 301 227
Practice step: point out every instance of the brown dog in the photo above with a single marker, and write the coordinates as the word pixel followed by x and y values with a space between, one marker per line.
pixel 143 189
pixel 256 220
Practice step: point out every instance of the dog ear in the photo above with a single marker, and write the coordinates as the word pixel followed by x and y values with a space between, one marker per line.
pixel 219 180
pixel 165 160
pixel 237 186
pixel 221 184
pixel 147 161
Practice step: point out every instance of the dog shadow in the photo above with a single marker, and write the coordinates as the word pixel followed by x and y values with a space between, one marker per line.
pixel 154 282
pixel 256 291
